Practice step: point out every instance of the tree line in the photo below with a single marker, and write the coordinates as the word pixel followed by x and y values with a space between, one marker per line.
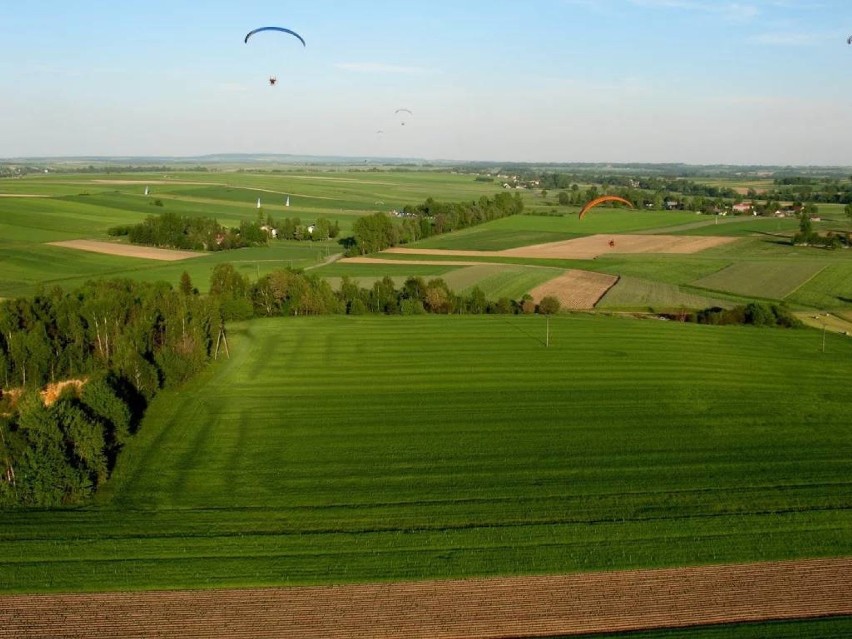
pixel 122 341
pixel 379 231
pixel 752 314
pixel 169 230
pixel 292 292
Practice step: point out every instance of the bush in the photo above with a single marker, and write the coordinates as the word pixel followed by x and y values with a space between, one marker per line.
pixel 549 305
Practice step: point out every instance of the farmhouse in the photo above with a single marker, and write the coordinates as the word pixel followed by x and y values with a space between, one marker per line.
pixel 743 207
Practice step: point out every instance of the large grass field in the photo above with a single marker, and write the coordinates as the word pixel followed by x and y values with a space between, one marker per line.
pixel 343 449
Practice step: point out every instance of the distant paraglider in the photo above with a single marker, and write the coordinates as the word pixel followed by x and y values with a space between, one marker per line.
pixel 600 200
pixel 402 117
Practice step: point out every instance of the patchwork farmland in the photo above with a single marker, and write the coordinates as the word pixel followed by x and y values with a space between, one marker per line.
pixel 365 450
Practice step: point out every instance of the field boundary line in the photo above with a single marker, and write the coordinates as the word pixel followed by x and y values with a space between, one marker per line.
pixel 825 266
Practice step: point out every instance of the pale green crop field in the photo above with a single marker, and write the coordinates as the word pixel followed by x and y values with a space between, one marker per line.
pixel 636 293
pixel 773 280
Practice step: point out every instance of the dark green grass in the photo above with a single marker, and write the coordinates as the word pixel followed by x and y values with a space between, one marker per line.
pixel 344 449
pixel 831 628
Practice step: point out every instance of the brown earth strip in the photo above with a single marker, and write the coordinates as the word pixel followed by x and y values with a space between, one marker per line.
pixel 590 247
pixel 127 250
pixel 474 608
pixel 576 289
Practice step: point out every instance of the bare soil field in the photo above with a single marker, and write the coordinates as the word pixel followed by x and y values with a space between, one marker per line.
pixel 128 250
pixel 576 289
pixel 474 608
pixel 588 248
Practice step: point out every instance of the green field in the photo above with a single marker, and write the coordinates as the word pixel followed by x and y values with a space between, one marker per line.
pixel 762 263
pixel 836 628
pixel 773 280
pixel 343 449
pixel 84 206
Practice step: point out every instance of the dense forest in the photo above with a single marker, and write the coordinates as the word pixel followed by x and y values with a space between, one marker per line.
pixel 120 342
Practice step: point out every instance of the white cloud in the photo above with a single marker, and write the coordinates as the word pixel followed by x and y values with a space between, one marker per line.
pixel 378 67
pixel 733 11
pixel 792 38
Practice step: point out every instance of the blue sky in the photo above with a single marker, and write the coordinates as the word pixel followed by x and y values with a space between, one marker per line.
pixel 696 81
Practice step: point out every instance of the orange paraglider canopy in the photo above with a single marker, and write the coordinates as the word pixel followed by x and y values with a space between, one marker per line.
pixel 604 198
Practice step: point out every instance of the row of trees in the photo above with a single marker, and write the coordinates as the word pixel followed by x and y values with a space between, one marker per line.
pixel 123 341
pixel 294 229
pixel 812 189
pixel 379 231
pixel 289 292
pixel 170 230
pixel 753 313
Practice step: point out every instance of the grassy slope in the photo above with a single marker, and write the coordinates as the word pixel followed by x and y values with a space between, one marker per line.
pixel 470 450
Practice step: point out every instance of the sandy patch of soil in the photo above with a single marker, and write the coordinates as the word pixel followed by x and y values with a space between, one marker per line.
pixel 595 245
pixel 51 392
pixel 22 195
pixel 475 608
pixel 128 250
pixel 576 289
pixel 590 247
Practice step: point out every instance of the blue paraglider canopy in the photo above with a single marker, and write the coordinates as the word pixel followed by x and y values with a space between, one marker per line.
pixel 282 29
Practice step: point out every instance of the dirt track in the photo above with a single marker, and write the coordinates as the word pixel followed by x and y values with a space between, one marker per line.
pixel 475 608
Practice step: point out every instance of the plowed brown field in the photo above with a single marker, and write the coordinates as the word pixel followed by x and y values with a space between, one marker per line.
pixel 576 289
pixel 128 250
pixel 473 608
pixel 590 247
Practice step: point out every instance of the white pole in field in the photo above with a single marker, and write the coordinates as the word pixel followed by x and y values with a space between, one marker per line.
pixel 287 203
pixel 258 202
